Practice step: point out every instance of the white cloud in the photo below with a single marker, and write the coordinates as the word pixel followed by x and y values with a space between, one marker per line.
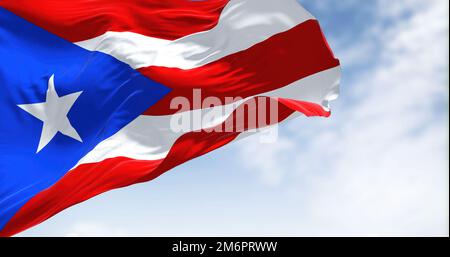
pixel 273 157
pixel 379 165
pixel 93 229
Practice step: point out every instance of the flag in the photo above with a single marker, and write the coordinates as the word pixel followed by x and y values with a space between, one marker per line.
pixel 94 94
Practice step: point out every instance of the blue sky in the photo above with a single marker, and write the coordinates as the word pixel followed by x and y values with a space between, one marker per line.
pixel 378 166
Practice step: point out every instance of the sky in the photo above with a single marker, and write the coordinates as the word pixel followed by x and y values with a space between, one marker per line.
pixel 377 167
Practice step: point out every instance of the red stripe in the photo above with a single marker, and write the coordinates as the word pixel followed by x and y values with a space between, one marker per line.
pixel 269 65
pixel 89 180
pixel 84 19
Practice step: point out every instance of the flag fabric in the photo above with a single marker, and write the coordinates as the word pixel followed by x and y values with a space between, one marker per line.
pixel 86 89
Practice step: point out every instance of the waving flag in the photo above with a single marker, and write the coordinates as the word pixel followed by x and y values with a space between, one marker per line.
pixel 87 89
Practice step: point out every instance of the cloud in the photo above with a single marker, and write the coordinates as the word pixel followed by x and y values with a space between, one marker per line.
pixel 272 156
pixel 93 229
pixel 379 166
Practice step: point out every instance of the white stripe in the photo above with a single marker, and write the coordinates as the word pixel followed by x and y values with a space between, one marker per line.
pixel 242 24
pixel 151 137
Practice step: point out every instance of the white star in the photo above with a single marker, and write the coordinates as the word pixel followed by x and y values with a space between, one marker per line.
pixel 53 112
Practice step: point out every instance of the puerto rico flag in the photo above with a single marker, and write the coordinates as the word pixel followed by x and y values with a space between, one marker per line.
pixel 90 90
